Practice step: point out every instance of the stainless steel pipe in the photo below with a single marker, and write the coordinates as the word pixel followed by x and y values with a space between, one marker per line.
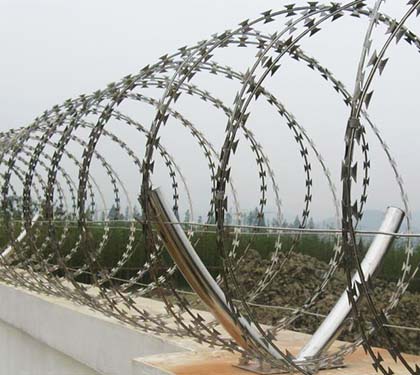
pixel 200 280
pixel 333 324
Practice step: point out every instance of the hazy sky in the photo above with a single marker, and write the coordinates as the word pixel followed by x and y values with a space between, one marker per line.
pixel 56 49
pixel 52 50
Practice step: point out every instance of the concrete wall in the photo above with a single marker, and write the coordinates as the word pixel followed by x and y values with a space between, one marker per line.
pixel 20 354
pixel 44 335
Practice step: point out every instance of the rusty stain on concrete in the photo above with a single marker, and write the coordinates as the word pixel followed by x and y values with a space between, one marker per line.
pixel 222 362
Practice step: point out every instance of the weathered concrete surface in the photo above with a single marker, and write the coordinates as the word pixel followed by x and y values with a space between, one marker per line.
pixel 222 363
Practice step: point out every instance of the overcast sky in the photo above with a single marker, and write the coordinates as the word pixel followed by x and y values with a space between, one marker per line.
pixel 52 50
pixel 56 49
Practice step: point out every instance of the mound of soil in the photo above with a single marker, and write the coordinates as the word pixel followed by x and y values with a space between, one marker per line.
pixel 297 281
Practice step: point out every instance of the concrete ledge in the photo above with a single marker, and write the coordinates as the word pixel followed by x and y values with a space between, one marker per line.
pixel 222 363
pixel 109 347
pixel 219 362
pixel 20 354
pixel 103 344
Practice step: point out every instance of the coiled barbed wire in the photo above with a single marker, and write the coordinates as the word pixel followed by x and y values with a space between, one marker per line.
pixel 56 172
